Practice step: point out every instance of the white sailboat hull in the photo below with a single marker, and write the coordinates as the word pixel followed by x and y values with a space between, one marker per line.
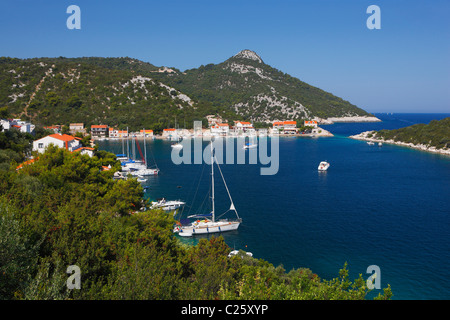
pixel 167 205
pixel 144 172
pixel 207 227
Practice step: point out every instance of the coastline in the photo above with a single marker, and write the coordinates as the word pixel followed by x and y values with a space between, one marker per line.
pixel 353 119
pixel 322 133
pixel 364 137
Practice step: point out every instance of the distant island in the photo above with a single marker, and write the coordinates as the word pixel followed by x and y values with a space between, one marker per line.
pixel 432 137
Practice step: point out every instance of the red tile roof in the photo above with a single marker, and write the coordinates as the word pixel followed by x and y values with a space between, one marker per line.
pixel 20 166
pixel 62 137
pixel 281 123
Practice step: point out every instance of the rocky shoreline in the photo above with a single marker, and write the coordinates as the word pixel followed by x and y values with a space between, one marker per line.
pixel 364 136
pixel 353 119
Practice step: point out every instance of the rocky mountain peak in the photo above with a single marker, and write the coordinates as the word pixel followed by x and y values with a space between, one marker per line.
pixel 248 54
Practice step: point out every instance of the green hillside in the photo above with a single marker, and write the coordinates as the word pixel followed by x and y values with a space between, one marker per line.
pixel 112 91
pixel 126 92
pixel 435 134
pixel 258 91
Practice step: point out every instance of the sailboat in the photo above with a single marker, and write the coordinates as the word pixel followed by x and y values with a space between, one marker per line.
pixel 143 169
pixel 167 205
pixel 203 225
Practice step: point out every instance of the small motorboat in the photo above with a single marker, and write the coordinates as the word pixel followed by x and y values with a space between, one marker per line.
pixel 323 166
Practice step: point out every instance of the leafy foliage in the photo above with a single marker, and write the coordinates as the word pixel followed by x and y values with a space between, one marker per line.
pixel 435 134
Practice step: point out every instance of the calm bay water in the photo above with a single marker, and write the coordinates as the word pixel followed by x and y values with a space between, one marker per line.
pixel 387 206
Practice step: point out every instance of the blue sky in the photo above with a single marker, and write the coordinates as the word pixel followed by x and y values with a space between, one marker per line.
pixel 403 67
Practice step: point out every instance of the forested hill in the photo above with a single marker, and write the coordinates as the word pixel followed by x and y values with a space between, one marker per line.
pixel 435 134
pixel 114 91
pixel 128 92
pixel 258 91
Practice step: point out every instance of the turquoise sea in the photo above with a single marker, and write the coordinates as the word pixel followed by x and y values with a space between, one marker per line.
pixel 386 206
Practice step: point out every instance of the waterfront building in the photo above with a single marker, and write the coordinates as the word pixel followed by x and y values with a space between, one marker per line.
pixel 60 140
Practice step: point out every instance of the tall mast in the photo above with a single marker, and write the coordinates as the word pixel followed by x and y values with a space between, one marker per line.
pixel 145 151
pixel 212 182
pixel 133 147
pixel 123 145
pixel 128 146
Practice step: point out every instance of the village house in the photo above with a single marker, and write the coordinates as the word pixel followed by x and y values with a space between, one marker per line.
pixel 277 127
pixel 17 124
pixel 55 128
pixel 65 141
pixel 290 127
pixel 99 131
pixel 77 127
pixel 312 123
pixel 115 133
pixel 5 125
pixel 284 127
pixel 221 129
pixel 170 133
pixel 60 140
pixel 213 120
pixel 243 127
pixel 147 133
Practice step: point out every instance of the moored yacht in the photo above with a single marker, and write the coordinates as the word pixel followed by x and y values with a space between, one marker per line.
pixel 167 205
pixel 204 225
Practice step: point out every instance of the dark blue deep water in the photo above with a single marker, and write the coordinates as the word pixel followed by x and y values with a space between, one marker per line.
pixel 387 206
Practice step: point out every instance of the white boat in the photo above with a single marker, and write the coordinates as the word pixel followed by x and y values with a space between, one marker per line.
pixel 380 144
pixel 203 225
pixel 236 252
pixel 323 166
pixel 370 143
pixel 177 145
pixel 133 165
pixel 141 179
pixel 121 157
pixel 144 172
pixel 140 168
pixel 251 144
pixel 167 205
